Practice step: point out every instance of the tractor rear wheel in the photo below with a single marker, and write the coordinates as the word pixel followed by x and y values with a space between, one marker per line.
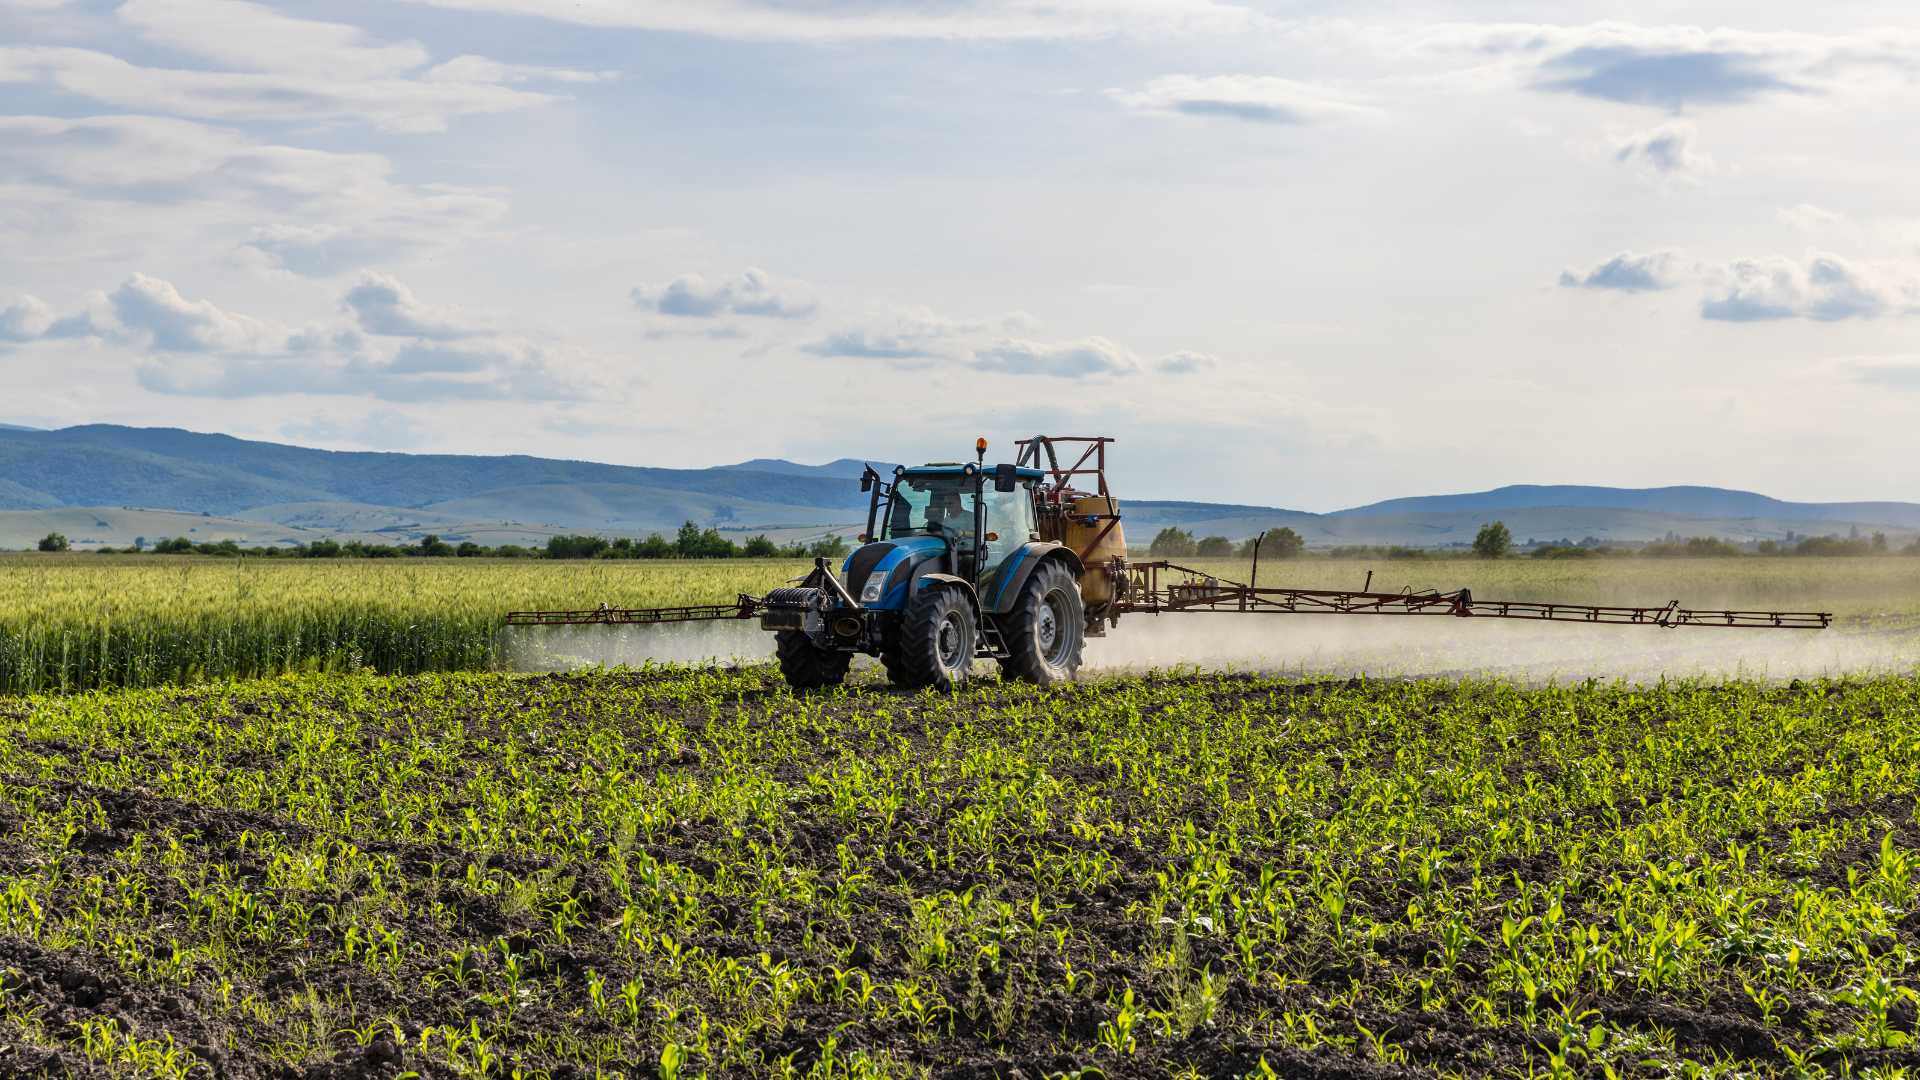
pixel 808 666
pixel 934 645
pixel 1046 629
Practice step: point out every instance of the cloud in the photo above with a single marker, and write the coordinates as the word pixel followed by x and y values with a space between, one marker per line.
pixel 1902 373
pixel 253 37
pixel 1666 150
pixel 1253 98
pixel 382 305
pixel 752 293
pixel 955 20
pixel 395 104
pixel 1185 363
pixel 196 348
pixel 25 319
pixel 1824 288
pixel 1071 360
pixel 1639 76
pixel 1807 217
pixel 150 307
pixel 1674 67
pixel 1627 272
pixel 328 212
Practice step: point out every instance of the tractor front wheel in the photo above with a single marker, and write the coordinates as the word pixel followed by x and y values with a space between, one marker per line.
pixel 933 647
pixel 1046 628
pixel 808 666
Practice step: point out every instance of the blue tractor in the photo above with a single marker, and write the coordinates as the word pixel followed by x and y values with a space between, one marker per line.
pixel 952 568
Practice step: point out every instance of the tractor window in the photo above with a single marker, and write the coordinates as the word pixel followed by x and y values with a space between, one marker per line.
pixel 933 505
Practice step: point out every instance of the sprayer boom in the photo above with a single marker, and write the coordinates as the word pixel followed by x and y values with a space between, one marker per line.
pixel 1196 591
pixel 743 608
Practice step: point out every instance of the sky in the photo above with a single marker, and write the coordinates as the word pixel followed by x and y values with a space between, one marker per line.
pixel 1298 254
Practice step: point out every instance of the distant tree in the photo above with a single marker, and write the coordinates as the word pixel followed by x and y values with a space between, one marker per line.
pixel 174 545
pixel 1493 541
pixel 575 547
pixel 654 546
pixel 1280 543
pixel 829 547
pixel 1767 547
pixel 139 543
pixel 469 550
pixel 54 542
pixel 1172 542
pixel 433 547
pixel 1214 547
pixel 760 548
pixel 1879 543
pixel 321 549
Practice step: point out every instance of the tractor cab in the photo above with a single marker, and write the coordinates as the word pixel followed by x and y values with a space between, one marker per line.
pixel 981 526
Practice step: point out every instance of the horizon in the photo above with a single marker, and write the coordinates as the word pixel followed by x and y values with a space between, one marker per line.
pixel 1297 255
pixel 1149 498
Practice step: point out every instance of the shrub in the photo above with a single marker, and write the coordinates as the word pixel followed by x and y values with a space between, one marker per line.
pixel 1172 542
pixel 53 542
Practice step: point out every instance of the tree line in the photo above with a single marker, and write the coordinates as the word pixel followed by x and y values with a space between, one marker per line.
pixel 691 542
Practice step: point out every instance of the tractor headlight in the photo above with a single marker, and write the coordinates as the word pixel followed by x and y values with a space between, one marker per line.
pixel 871 594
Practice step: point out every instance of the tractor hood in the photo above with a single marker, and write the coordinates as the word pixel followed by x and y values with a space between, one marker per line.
pixel 893 561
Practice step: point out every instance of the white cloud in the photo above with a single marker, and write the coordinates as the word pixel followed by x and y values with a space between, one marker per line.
pixel 399 105
pixel 1825 288
pixel 1067 360
pixel 1807 217
pixel 1668 150
pixel 479 69
pixel 1670 67
pixel 1259 99
pixel 253 37
pixel 154 310
pixel 961 20
pixel 196 348
pixel 25 319
pixel 328 211
pixel 1185 362
pixel 752 293
pixel 1628 272
pixel 382 305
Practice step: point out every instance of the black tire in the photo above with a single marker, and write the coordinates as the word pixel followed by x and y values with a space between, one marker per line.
pixel 935 643
pixel 1046 629
pixel 806 665
pixel 895 661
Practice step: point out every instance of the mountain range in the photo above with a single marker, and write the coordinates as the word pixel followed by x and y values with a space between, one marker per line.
pixel 107 484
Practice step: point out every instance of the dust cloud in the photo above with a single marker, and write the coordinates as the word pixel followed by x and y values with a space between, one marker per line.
pixel 1317 645
pixel 1388 645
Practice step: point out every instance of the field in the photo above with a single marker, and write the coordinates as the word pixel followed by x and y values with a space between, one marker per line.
pixel 86 621
pixel 698 873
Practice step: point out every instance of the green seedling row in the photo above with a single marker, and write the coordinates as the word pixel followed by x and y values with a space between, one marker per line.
pixel 682 874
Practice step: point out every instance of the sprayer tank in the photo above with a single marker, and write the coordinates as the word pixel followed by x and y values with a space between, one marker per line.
pixel 1093 531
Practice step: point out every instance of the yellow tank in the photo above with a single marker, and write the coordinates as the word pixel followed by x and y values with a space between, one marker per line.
pixel 1095 549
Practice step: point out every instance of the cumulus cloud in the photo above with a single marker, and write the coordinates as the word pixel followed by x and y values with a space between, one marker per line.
pixel 197 348
pixel 753 293
pixel 25 319
pixel 1627 272
pixel 1807 217
pixel 918 338
pixel 958 20
pixel 1258 99
pixel 151 308
pixel 1825 288
pixel 1667 150
pixel 1071 359
pixel 381 305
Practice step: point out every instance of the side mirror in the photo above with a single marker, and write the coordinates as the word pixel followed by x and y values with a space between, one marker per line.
pixel 992 536
pixel 1005 478
pixel 866 481
pixel 863 538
